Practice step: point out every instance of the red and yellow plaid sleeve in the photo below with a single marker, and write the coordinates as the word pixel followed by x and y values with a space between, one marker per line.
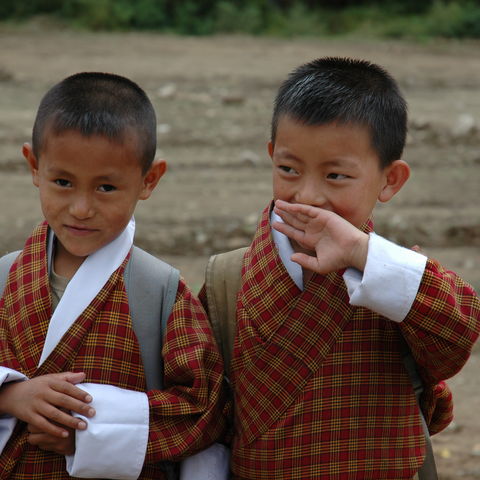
pixel 188 415
pixel 443 323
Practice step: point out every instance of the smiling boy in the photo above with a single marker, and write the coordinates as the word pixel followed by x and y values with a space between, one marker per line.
pixel 325 305
pixel 73 395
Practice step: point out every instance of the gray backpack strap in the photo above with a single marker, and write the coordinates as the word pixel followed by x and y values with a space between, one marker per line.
pixel 151 286
pixel 5 263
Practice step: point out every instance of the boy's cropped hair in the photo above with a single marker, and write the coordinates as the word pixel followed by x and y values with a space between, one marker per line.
pixel 347 91
pixel 94 103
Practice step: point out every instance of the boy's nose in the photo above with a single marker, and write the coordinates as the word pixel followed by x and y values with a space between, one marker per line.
pixel 310 193
pixel 81 207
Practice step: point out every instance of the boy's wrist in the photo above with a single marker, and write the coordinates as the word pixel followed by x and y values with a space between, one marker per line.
pixel 5 397
pixel 359 252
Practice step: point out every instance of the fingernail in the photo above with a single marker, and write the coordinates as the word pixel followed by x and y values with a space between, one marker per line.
pixel 82 425
pixel 88 398
pixel 64 434
pixel 91 412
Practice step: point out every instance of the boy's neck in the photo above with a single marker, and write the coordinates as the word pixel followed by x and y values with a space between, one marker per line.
pixel 65 264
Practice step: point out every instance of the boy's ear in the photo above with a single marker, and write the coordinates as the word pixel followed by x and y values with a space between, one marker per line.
pixel 32 162
pixel 396 174
pixel 151 178
pixel 270 149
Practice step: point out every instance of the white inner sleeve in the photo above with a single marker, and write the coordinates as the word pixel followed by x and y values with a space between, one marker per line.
pixel 7 422
pixel 114 444
pixel 209 464
pixel 390 281
pixel 285 252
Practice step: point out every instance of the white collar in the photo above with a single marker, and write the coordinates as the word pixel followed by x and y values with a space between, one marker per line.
pixel 84 286
pixel 285 251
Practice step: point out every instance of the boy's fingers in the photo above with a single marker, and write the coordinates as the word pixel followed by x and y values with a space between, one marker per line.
pixel 71 390
pixel 33 429
pixel 295 208
pixel 295 220
pixel 41 424
pixel 71 404
pixel 288 230
pixel 64 446
pixel 64 419
pixel 75 378
pixel 308 262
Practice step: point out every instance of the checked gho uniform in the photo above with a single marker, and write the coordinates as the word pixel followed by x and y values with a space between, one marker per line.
pixel 320 390
pixel 181 419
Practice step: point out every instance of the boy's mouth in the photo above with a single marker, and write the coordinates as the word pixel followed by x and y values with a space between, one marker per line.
pixel 79 230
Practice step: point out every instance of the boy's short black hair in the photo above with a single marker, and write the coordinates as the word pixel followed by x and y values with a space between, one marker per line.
pixel 94 103
pixel 345 90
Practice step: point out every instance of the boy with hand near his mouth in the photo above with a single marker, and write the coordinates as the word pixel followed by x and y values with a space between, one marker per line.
pixel 325 305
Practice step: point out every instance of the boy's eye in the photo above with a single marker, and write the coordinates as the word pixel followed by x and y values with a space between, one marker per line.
pixel 336 176
pixel 61 182
pixel 287 169
pixel 106 188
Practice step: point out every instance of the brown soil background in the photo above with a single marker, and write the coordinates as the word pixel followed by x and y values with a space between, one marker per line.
pixel 213 98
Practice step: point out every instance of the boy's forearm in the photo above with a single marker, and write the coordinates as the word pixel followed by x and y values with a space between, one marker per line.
pixel 443 324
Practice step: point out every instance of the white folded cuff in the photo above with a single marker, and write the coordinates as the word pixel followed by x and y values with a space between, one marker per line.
pixel 115 442
pixel 390 281
pixel 7 422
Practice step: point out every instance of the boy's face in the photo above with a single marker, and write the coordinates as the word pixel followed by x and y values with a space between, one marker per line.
pixel 89 187
pixel 332 166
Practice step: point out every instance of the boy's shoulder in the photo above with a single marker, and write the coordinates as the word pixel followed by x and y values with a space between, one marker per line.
pixel 148 264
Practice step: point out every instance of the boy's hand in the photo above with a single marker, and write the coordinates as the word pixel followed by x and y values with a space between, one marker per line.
pixel 43 402
pixel 334 243
pixel 52 443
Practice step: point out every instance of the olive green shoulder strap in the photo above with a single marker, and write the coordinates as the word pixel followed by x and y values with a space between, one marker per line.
pixel 222 282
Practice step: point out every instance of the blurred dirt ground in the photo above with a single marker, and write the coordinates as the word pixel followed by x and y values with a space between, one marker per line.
pixel 213 98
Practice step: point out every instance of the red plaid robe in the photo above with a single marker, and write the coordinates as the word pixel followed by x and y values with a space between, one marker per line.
pixel 319 385
pixel 184 418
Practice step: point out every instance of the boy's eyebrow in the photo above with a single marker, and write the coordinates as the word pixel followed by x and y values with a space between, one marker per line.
pixel 334 162
pixel 57 171
pixel 340 162
pixel 61 172
pixel 283 152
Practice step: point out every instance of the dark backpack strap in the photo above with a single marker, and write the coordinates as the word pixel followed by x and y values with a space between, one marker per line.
pixel 151 286
pixel 428 471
